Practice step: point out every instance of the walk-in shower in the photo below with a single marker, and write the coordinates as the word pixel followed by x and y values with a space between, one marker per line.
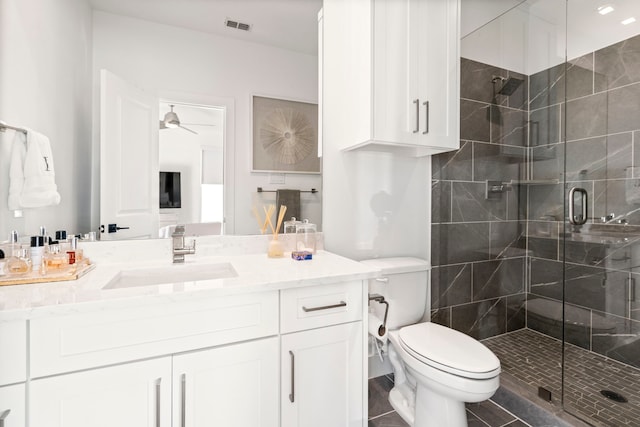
pixel 544 268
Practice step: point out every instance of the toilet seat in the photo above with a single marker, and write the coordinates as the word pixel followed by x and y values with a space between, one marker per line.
pixel 449 350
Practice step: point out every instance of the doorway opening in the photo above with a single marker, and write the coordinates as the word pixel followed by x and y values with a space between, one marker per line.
pixel 194 148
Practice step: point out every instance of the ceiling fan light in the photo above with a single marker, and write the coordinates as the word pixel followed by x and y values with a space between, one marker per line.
pixel 171 120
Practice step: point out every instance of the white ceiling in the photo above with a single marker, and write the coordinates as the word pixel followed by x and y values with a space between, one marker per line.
pixel 288 24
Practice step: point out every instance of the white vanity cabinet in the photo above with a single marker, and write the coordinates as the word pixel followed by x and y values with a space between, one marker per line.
pixel 322 376
pixel 114 366
pixel 12 406
pixel 13 356
pixel 235 385
pixel 392 67
pixel 128 395
pixel 193 361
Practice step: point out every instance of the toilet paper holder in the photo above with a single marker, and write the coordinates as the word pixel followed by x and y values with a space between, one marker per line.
pixel 380 299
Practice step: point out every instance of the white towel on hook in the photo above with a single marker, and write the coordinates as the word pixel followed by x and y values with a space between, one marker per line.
pixel 16 173
pixel 39 189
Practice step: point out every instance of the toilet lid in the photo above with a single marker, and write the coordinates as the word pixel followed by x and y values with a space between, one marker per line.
pixel 449 350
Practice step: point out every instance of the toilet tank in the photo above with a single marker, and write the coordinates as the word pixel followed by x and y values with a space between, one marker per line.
pixel 404 283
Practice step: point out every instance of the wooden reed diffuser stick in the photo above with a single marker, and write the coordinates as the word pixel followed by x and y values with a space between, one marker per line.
pixel 283 210
pixel 267 220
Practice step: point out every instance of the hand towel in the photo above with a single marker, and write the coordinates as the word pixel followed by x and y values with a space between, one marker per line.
pixel 291 199
pixel 39 188
pixel 16 173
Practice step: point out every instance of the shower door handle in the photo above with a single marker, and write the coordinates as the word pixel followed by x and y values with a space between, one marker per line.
pixel 582 217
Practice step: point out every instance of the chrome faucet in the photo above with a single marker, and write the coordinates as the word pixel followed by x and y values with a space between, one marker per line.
pixel 607 218
pixel 179 249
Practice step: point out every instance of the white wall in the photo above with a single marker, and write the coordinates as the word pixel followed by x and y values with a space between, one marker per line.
pixel 476 13
pixel 376 204
pixel 528 38
pixel 45 84
pixel 162 58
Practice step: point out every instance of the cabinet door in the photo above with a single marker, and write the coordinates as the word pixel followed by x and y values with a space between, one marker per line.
pixel 130 395
pixel 233 386
pixel 416 72
pixel 12 406
pixel 322 377
pixel 395 91
pixel 438 70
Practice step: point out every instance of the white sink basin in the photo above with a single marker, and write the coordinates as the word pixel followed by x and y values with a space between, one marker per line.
pixel 176 273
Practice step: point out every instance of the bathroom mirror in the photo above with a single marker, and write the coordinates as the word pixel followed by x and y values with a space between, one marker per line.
pixel 189 53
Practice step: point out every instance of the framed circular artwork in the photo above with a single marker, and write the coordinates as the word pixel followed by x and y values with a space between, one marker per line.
pixel 285 136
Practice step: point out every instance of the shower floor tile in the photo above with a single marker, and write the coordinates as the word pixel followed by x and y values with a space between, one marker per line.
pixel 535 360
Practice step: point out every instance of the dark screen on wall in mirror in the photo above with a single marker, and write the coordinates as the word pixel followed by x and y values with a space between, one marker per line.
pixel 170 190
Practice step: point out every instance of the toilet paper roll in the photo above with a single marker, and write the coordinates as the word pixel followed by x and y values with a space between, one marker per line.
pixel 376 329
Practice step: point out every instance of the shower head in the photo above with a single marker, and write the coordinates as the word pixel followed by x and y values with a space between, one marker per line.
pixel 510 86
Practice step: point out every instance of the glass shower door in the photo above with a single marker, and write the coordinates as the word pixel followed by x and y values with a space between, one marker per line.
pixel 599 249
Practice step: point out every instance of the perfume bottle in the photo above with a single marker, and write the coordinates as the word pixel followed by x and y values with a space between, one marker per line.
pixel 2 262
pixel 74 254
pixel 19 263
pixel 54 259
pixel 36 252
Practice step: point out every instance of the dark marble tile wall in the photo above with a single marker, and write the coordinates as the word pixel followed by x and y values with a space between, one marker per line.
pixel 478 279
pixel 601 124
pixel 497 261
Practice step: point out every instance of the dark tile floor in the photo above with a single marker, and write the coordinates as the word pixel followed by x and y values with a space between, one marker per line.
pixel 482 414
pixel 535 360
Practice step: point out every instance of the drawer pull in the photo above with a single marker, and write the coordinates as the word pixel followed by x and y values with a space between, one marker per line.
pixel 183 401
pixel 158 386
pixel 292 395
pixel 324 307
pixel 4 415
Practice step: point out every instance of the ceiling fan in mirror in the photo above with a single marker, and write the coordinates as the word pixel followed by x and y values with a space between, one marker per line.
pixel 172 121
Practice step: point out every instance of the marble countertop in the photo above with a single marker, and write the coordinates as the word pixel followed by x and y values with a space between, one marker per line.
pixel 255 272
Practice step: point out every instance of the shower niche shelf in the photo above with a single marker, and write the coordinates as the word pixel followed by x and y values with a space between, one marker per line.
pixel 494 189
pixel 534 182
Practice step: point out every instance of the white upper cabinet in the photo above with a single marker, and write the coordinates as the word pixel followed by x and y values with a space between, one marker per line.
pixel 391 70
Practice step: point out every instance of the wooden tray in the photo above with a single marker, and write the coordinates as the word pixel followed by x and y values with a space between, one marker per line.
pixel 50 277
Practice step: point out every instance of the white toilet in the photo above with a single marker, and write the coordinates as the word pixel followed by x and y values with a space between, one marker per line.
pixel 437 369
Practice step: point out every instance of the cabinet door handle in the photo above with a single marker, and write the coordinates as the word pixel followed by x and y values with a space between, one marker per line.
pixel 158 386
pixel 292 396
pixel 183 401
pixel 324 307
pixel 4 415
pixel 426 117
pixel 417 102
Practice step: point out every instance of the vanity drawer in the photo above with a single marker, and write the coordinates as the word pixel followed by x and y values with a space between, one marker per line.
pixel 13 356
pixel 318 306
pixel 85 340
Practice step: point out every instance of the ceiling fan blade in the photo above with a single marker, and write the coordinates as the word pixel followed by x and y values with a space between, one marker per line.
pixel 192 131
pixel 163 125
pixel 199 124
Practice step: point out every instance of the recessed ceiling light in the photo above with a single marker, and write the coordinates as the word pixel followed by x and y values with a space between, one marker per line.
pixel 628 21
pixel 603 10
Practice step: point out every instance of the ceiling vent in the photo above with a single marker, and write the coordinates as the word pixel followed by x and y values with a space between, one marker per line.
pixel 237 25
